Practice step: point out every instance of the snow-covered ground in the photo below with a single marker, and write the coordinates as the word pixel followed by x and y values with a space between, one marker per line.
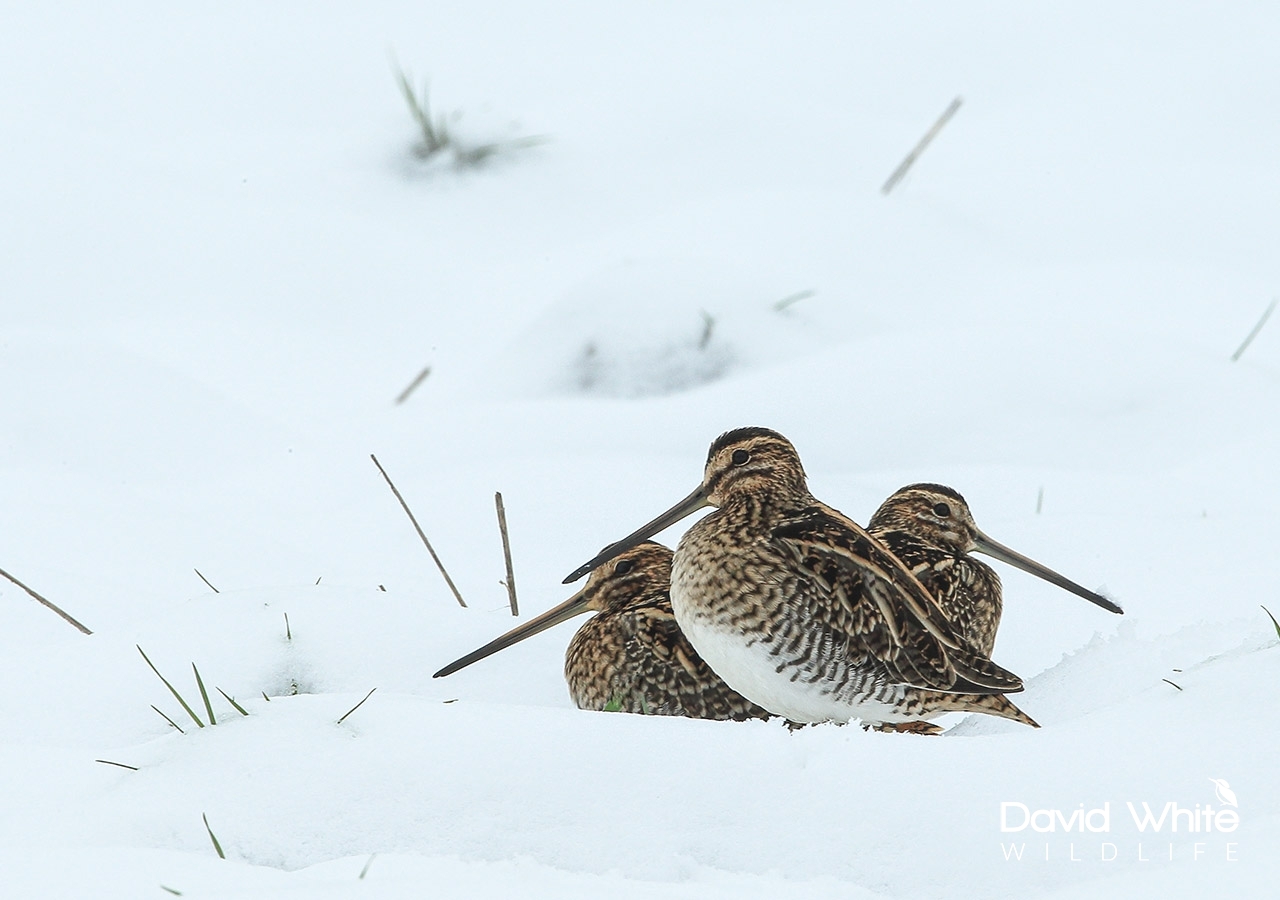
pixel 221 262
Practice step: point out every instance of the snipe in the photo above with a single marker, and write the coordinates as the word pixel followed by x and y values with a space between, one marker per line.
pixel 798 608
pixel 631 656
pixel 930 528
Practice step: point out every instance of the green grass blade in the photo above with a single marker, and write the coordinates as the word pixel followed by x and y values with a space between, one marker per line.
pixel 1273 620
pixel 232 700
pixel 172 689
pixel 167 719
pixel 213 837
pixel 204 695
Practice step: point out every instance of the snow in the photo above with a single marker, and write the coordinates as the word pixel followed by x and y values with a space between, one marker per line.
pixel 222 262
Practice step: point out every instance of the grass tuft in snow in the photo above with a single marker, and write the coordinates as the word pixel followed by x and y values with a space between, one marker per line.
pixel 288 632
pixel 437 139
pixel 173 891
pixel 1273 620
pixel 172 690
pixel 213 837
pixel 1167 681
pixel 357 706
pixel 368 863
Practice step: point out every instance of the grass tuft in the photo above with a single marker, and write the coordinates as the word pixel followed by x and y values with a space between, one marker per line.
pixel 368 863
pixel 1167 681
pixel 172 690
pixel 437 140
pixel 173 891
pixel 213 837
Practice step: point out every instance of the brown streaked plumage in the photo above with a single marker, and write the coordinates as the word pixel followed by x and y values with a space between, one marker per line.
pixel 931 529
pixel 631 656
pixel 801 610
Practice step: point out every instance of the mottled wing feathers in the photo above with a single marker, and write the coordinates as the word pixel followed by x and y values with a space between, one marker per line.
pixel 967 590
pixel 888 616
pixel 638 660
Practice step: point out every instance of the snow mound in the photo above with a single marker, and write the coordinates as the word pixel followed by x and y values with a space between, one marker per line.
pixel 659 327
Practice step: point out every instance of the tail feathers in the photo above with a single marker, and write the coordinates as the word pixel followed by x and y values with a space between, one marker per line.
pixel 990 704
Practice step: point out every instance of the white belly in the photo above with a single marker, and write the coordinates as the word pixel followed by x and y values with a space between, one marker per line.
pixel 753 672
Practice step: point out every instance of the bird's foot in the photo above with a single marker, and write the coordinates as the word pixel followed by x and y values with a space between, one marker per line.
pixel 918 726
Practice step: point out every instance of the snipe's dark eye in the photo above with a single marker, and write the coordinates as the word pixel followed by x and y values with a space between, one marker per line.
pixel 740 457
pixel 942 509
pixel 623 567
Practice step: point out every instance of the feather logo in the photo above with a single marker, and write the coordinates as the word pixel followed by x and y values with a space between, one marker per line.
pixel 1226 796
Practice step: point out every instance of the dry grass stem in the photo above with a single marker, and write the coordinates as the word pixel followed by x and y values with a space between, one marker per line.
pixel 206 581
pixel 792 299
pixel 40 599
pixel 919 148
pixel 107 762
pixel 413 385
pixel 1254 333
pixel 421 534
pixel 357 706
pixel 506 553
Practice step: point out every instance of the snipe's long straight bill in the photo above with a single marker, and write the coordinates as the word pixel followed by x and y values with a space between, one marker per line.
pixel 1014 558
pixel 575 605
pixel 691 504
